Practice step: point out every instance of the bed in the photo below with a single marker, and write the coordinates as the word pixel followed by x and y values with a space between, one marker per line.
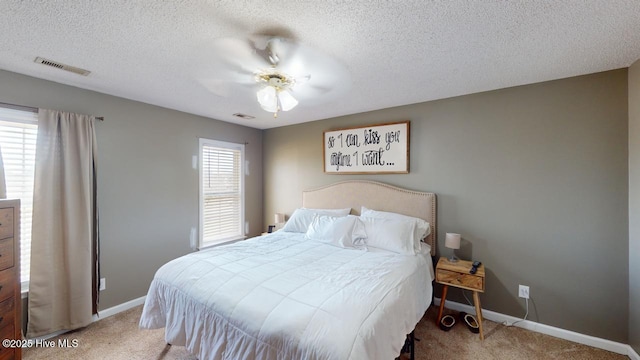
pixel 284 296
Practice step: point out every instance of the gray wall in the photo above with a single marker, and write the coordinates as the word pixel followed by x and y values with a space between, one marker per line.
pixel 533 177
pixel 147 188
pixel 634 206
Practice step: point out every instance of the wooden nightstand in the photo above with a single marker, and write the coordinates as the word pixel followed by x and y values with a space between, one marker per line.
pixel 457 274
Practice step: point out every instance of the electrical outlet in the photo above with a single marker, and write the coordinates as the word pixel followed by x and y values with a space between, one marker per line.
pixel 103 284
pixel 523 291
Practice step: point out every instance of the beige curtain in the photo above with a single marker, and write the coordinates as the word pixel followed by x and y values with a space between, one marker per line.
pixel 3 184
pixel 64 240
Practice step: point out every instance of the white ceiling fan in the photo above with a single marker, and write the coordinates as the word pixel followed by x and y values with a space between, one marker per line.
pixel 278 72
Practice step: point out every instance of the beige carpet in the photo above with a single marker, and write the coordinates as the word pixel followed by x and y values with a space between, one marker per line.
pixel 118 337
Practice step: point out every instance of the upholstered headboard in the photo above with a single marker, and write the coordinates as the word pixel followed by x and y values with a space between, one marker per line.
pixel 376 196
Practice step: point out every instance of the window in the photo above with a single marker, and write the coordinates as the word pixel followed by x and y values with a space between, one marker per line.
pixel 18 132
pixel 221 192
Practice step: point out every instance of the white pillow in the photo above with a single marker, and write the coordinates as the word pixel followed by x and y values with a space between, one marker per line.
pixel 302 218
pixel 332 212
pixel 421 231
pixel 390 234
pixel 346 231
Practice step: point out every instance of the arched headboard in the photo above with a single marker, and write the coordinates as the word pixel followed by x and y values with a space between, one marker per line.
pixel 377 196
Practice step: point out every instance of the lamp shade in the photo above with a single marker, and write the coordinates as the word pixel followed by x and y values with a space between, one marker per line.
pixel 278 218
pixel 267 98
pixel 287 101
pixel 452 241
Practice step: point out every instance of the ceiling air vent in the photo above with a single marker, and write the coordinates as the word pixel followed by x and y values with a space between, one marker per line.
pixel 244 116
pixel 62 66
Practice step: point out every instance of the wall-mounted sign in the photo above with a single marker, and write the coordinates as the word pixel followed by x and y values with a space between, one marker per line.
pixel 375 149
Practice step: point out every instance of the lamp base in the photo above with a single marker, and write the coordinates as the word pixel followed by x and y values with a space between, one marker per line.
pixel 452 259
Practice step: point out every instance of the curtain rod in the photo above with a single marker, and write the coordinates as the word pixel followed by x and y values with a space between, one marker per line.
pixel 32 109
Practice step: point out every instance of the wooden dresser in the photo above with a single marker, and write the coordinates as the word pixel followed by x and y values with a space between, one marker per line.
pixel 10 298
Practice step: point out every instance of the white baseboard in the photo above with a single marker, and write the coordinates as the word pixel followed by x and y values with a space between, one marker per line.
pixel 596 342
pixel 119 308
pixel 102 314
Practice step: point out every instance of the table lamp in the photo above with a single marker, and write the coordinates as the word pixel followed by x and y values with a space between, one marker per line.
pixel 452 241
pixel 278 219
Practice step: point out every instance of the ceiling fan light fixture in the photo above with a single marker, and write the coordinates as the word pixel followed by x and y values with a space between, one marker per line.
pixel 275 95
pixel 267 97
pixel 276 71
pixel 287 101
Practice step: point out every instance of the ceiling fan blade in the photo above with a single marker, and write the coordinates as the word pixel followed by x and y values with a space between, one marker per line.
pixel 291 61
pixel 328 81
pixel 268 48
pixel 217 87
pixel 234 64
pixel 316 75
pixel 303 79
pixel 319 89
pixel 227 88
pixel 240 52
pixel 234 70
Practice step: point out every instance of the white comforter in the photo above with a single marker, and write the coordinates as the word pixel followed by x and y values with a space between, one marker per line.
pixel 283 297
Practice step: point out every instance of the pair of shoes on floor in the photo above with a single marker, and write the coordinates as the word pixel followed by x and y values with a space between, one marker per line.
pixel 447 322
pixel 470 321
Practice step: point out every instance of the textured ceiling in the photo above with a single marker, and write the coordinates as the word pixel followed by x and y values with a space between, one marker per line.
pixel 394 52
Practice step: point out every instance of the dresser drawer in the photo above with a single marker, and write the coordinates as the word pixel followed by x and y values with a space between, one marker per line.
pixel 7 333
pixel 6 223
pixel 6 314
pixel 6 253
pixel 7 283
pixel 7 353
pixel 461 280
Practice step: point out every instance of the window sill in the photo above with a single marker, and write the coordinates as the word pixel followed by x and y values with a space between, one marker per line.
pixel 24 289
pixel 222 242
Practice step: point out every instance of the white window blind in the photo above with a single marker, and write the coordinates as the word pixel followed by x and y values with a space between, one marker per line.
pixel 221 192
pixel 18 132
